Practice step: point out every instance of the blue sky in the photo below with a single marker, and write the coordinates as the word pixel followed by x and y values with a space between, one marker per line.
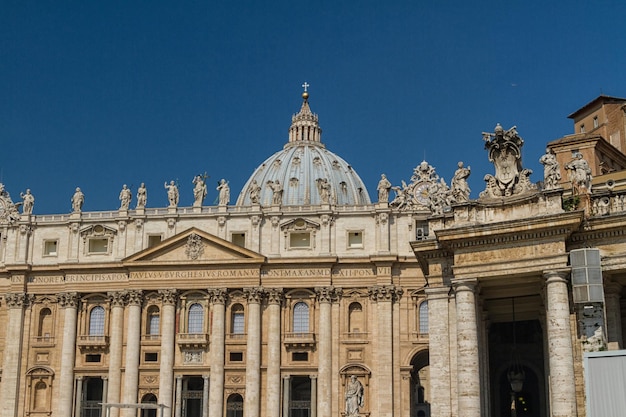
pixel 99 94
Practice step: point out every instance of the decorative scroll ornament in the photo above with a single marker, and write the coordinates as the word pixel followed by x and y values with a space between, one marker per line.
pixel 194 247
pixel 505 152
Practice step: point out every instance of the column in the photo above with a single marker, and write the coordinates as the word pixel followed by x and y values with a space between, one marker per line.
pixel 612 291
pixel 313 395
pixel 68 302
pixel 468 369
pixel 79 395
pixel 117 300
pixel 325 296
pixel 216 389
pixel 13 354
pixel 560 355
pixel 274 300
pixel 105 393
pixel 384 296
pixel 439 350
pixel 168 332
pixel 286 395
pixel 252 401
pixel 179 396
pixel 131 375
pixel 205 396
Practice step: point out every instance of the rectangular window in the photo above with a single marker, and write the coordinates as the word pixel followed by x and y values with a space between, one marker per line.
pixel 236 356
pixel 299 240
pixel 239 239
pixel 151 357
pixel 50 247
pixel 93 358
pixel 98 245
pixel 153 240
pixel 595 121
pixel 355 239
pixel 421 230
pixel 582 128
pixel 238 323
pixel 300 356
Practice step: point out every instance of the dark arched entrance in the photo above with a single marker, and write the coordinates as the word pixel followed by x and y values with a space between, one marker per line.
pixel 517 345
pixel 420 381
pixel 149 399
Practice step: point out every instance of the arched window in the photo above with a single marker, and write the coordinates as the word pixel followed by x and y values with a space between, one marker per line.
pixel 195 323
pixel 40 400
pixel 149 399
pixel 355 318
pixel 423 317
pixel 301 317
pixel 96 321
pixel 45 322
pixel 154 321
pixel 237 322
pixel 234 406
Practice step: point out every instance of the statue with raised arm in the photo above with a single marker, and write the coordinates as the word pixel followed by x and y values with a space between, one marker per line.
pixel 383 189
pixel 172 194
pixel 142 196
pixel 125 197
pixel 199 190
pixel 28 201
pixel 77 200
pixel 354 397
pixel 224 192
pixel 277 192
pixel 551 172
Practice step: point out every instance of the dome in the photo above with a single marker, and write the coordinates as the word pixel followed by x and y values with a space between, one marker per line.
pixel 305 171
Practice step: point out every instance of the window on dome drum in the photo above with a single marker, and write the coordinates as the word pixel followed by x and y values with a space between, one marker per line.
pixel 355 239
pixel 238 239
pixel 195 319
pixel 98 245
pixel 301 317
pixel 300 240
pixel 237 320
pixel 154 240
pixel 50 247
pixel 423 318
pixel 154 321
pixel 96 321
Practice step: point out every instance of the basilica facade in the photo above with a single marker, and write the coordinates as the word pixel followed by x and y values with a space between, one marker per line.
pixel 307 297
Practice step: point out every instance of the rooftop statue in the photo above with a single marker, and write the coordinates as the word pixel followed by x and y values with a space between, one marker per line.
pixel 125 197
pixel 579 174
pixel 142 196
pixel 224 192
pixel 77 200
pixel 505 152
pixel 383 189
pixel 199 190
pixel 172 193
pixel 28 201
pixel 8 209
pixel 551 172
pixel 460 189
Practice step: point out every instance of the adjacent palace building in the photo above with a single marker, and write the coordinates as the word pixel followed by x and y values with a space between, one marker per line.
pixel 310 297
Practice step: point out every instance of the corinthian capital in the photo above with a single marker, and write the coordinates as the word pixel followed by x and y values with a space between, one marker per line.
pixel 135 297
pixel 274 295
pixel 385 293
pixel 16 299
pixel 218 295
pixel 254 295
pixel 117 298
pixel 68 299
pixel 168 296
pixel 328 294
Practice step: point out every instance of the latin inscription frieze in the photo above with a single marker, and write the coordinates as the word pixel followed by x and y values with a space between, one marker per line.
pixel 353 272
pixel 114 276
pixel 296 273
pixel 228 273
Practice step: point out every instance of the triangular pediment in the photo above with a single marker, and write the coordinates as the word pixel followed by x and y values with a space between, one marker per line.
pixel 195 246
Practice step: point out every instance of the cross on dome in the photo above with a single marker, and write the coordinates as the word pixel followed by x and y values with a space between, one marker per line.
pixel 305 86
